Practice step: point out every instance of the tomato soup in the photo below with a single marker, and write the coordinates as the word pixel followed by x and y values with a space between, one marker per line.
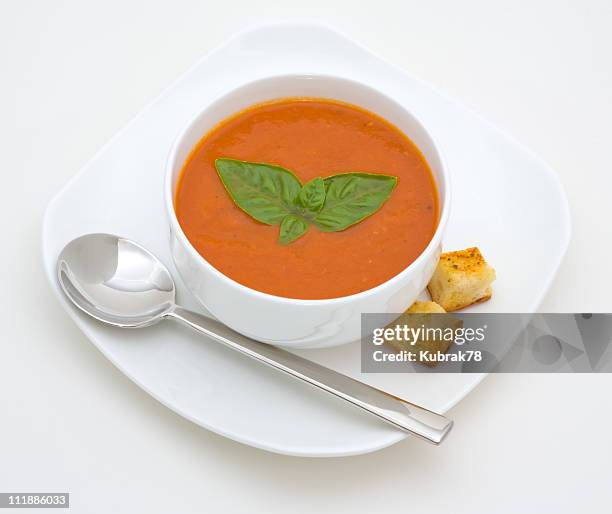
pixel 312 138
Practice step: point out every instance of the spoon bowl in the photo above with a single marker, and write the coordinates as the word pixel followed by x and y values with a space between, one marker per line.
pixel 115 280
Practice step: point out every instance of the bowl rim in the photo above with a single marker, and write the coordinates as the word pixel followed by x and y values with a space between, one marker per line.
pixel 362 295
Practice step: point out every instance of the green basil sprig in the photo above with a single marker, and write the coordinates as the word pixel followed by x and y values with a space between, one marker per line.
pixel 274 196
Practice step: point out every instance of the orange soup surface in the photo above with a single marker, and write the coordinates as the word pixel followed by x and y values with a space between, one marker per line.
pixel 312 138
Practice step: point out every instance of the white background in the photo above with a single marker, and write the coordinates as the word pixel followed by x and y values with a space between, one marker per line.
pixel 73 73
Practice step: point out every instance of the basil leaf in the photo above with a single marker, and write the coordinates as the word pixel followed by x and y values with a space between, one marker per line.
pixel 292 227
pixel 352 197
pixel 311 197
pixel 264 191
pixel 274 196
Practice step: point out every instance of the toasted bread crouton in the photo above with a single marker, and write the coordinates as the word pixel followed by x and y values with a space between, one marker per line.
pixel 461 279
pixel 426 316
pixel 425 307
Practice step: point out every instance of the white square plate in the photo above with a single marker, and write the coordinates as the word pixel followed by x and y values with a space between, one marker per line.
pixel 506 201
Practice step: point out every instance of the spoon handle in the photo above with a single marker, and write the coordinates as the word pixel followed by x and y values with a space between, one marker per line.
pixel 404 415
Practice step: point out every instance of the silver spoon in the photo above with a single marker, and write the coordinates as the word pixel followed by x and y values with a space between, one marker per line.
pixel 120 283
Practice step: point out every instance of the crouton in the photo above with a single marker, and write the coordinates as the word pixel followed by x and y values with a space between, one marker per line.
pixel 425 307
pixel 461 278
pixel 426 315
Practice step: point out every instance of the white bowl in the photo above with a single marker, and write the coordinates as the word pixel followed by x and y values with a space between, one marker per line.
pixel 284 321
